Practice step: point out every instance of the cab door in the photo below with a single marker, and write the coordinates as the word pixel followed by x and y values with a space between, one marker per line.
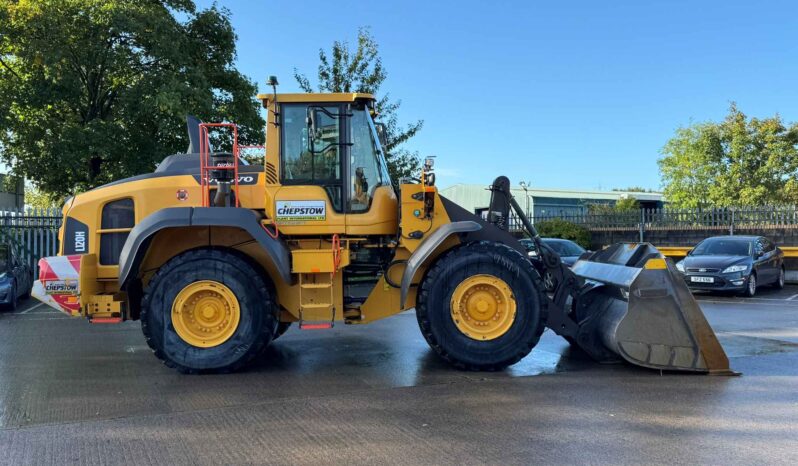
pixel 311 197
pixel 371 202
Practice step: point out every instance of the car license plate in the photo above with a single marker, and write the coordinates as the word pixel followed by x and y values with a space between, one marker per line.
pixel 702 279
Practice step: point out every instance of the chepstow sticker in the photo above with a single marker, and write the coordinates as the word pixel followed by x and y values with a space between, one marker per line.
pixel 301 210
pixel 61 287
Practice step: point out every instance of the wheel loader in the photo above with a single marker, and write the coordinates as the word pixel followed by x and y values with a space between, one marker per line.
pixel 218 258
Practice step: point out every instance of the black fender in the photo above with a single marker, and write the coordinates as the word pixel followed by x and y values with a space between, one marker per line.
pixel 427 247
pixel 136 245
pixel 467 226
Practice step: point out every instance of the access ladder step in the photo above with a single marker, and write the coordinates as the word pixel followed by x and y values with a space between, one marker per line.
pixel 317 306
pixel 316 285
pixel 315 326
pixel 105 320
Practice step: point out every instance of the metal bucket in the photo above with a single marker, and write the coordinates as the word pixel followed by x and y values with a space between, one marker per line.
pixel 635 306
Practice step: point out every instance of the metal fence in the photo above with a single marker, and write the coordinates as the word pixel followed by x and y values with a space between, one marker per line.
pixel 32 233
pixel 728 217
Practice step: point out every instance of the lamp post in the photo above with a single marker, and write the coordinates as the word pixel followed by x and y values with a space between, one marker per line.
pixel 525 187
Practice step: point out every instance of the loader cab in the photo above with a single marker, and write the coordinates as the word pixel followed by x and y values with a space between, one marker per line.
pixel 331 170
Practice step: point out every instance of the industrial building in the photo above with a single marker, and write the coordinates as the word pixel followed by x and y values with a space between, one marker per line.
pixel 545 202
pixel 12 193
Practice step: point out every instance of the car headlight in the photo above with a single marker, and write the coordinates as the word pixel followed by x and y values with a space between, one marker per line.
pixel 680 266
pixel 2 275
pixel 735 268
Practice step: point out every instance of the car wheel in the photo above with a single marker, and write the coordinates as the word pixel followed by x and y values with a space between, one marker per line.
pixel 12 304
pixel 28 290
pixel 750 290
pixel 780 281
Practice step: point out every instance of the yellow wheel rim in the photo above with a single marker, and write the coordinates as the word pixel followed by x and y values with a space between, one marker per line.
pixel 205 314
pixel 483 307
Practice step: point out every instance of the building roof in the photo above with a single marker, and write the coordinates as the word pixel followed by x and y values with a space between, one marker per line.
pixel 316 97
pixel 561 193
pixel 475 196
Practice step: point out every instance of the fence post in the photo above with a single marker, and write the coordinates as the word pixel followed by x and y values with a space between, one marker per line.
pixel 731 224
pixel 642 223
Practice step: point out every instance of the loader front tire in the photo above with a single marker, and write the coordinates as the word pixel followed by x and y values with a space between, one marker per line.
pixel 482 306
pixel 208 310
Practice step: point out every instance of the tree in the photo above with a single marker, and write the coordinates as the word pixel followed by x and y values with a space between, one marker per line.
pixel 627 204
pixel 559 228
pixel 623 205
pixel 95 90
pixel 739 161
pixel 634 189
pixel 361 70
pixel 38 199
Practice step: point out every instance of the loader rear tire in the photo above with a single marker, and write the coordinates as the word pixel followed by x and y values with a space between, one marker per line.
pixel 282 327
pixel 212 280
pixel 488 268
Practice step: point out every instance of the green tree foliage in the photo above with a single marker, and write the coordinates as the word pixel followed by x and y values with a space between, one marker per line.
pixel 627 204
pixel 739 161
pixel 598 208
pixel 624 204
pixel 361 70
pixel 95 90
pixel 39 199
pixel 559 228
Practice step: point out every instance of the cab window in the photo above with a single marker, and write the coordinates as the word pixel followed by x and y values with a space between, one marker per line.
pixel 366 173
pixel 312 159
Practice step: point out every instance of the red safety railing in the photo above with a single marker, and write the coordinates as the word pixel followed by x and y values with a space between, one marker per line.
pixel 205 161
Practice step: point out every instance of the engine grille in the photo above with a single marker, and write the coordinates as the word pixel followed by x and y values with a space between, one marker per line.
pixel 702 270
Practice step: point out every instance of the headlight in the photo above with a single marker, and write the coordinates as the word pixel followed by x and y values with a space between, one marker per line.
pixel 735 268
pixel 680 266
pixel 2 275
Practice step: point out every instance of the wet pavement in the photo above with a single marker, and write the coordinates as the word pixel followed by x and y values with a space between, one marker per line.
pixel 71 392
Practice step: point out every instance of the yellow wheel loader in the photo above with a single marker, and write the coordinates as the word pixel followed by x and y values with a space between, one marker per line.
pixel 218 258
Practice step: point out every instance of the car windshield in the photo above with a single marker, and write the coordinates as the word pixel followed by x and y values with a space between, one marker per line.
pixel 723 247
pixel 565 248
pixel 528 244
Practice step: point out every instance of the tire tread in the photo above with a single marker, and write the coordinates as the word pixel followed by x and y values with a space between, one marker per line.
pixel 264 288
pixel 480 248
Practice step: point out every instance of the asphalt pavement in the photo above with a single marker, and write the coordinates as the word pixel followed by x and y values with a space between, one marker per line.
pixel 74 393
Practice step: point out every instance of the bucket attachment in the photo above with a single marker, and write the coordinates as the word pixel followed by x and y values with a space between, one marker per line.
pixel 635 306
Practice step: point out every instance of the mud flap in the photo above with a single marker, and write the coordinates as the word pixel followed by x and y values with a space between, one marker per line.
pixel 635 306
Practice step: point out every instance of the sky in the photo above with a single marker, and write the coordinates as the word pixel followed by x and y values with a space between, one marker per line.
pixel 569 94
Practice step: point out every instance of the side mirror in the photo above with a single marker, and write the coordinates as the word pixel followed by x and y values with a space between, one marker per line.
pixel 382 134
